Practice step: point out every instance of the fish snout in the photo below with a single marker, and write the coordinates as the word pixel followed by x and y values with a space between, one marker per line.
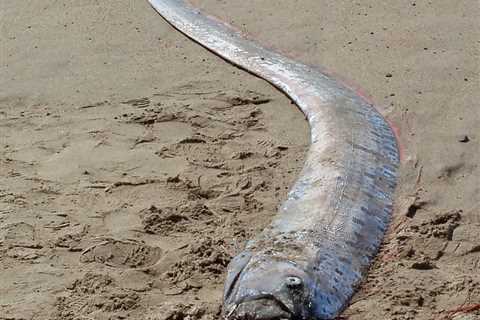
pixel 259 309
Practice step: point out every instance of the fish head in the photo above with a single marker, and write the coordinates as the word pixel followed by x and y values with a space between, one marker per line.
pixel 263 287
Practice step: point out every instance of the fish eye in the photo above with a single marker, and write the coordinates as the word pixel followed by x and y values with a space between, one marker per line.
pixel 293 282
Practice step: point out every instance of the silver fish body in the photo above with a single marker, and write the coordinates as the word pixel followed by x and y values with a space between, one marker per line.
pixel 308 263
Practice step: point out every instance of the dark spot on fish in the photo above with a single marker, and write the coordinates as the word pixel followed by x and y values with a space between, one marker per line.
pixel 344 260
pixel 358 221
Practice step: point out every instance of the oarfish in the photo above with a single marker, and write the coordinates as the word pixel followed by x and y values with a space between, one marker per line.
pixel 308 263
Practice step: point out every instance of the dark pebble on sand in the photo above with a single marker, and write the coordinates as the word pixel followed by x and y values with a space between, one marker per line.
pixel 423 265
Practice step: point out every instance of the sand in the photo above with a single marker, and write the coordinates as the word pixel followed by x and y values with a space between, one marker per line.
pixel 135 164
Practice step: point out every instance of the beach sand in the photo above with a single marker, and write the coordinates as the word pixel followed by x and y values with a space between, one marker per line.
pixel 134 163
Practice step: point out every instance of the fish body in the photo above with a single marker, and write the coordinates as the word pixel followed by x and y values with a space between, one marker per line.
pixel 308 263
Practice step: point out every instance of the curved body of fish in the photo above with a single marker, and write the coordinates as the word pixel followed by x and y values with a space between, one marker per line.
pixel 308 263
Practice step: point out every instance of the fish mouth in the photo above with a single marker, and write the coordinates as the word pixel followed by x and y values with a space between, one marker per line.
pixel 259 307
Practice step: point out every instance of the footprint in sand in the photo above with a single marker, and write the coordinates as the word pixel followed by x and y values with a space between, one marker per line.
pixel 19 234
pixel 122 254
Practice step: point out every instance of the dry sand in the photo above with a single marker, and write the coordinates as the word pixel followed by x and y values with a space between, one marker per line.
pixel 134 163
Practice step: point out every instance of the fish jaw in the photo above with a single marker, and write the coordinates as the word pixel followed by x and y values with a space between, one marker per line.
pixel 262 287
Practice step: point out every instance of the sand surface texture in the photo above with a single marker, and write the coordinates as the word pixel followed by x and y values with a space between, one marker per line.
pixel 134 164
